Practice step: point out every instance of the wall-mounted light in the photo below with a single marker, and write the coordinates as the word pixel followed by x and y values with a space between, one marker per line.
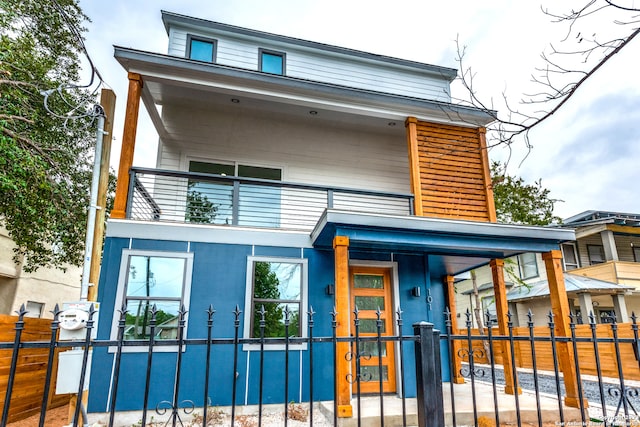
pixel 330 290
pixel 415 292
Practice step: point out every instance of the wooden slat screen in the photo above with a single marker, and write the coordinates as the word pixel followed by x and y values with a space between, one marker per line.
pixel 586 353
pixel 453 172
pixel 28 385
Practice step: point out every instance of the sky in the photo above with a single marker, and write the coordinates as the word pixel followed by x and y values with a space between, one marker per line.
pixel 587 154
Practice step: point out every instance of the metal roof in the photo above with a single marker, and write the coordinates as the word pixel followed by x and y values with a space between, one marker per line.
pixel 574 284
pixel 593 217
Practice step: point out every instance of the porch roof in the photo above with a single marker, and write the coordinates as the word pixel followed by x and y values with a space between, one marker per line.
pixel 453 246
pixel 171 79
pixel 574 284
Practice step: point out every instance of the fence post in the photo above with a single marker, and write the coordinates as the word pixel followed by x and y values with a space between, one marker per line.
pixel 428 375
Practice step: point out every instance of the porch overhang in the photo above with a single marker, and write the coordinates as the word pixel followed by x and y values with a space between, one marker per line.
pixel 170 79
pixel 453 246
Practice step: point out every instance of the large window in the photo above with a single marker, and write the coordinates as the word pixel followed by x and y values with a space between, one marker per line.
pixel 272 62
pixel 148 279
pixel 211 202
pixel 201 49
pixel 528 265
pixel 596 254
pixel 278 285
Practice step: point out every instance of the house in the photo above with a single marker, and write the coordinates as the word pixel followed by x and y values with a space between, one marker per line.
pixel 602 273
pixel 292 174
pixel 38 290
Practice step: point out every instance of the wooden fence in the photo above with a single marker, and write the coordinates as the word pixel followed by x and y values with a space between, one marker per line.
pixel 28 387
pixel 586 352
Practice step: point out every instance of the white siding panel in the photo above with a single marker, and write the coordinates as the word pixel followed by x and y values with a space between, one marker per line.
pixel 308 151
pixel 322 67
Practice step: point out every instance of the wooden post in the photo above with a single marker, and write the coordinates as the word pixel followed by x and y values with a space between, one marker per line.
pixel 414 164
pixel 128 145
pixel 500 295
pixel 560 308
pixel 486 168
pixel 343 318
pixel 108 102
pixel 456 376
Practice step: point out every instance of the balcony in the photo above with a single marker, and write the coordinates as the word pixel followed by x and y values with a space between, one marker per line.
pixel 621 272
pixel 187 197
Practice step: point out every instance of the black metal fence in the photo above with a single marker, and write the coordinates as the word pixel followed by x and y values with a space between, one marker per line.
pixel 617 397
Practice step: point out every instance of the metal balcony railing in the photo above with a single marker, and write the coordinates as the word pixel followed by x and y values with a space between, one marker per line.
pixel 163 195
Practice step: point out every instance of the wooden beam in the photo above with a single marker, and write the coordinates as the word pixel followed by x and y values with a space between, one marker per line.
pixel 343 319
pixel 484 156
pixel 128 145
pixel 500 296
pixel 414 164
pixel 456 375
pixel 561 312
pixel 108 102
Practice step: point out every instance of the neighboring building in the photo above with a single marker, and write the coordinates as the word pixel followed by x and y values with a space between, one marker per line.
pixel 291 174
pixel 602 273
pixel 40 290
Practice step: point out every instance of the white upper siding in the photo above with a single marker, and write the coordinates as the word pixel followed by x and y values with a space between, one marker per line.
pixel 320 66
pixel 307 151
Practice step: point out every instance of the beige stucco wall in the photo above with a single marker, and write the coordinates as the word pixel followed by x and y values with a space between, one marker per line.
pixel 46 285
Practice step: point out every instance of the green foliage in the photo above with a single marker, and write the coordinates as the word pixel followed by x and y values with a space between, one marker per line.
pixel 520 203
pixel 200 209
pixel 266 287
pixel 44 162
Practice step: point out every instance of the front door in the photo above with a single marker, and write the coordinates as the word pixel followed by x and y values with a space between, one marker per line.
pixel 370 290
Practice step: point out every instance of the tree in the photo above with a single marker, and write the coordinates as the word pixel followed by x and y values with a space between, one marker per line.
pixel 518 202
pixel 46 135
pixel 595 32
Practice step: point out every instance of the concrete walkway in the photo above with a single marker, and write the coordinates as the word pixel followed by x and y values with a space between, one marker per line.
pixel 370 408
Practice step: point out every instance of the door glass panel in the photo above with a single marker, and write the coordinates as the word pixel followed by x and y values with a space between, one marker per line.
pixel 369 303
pixel 371 349
pixel 369 326
pixel 369 281
pixel 371 373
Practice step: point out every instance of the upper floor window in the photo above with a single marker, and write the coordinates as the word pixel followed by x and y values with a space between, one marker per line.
pixel 153 278
pixel 528 265
pixel 272 62
pixel 201 49
pixel 596 254
pixel 569 256
pixel 212 202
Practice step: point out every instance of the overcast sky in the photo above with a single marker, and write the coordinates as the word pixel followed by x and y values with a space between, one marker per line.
pixel 587 154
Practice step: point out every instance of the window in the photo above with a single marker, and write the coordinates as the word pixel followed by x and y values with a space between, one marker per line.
pixel 276 284
pixel 489 304
pixel 34 309
pixel 201 49
pixel 569 256
pixel 272 62
pixel 212 202
pixel 528 265
pixel 149 278
pixel 596 254
pixel 636 253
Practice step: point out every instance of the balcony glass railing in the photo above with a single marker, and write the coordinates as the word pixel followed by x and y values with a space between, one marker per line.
pixel 162 195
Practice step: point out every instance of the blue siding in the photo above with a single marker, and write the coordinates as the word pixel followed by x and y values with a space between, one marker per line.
pixel 219 278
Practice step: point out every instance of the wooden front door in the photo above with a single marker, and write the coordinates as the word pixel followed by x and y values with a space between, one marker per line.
pixel 370 290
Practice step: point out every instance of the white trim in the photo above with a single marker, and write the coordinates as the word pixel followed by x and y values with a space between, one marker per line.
pixel 122 279
pixel 207 233
pixel 248 296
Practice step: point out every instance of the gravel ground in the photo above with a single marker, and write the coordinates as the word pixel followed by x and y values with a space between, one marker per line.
pixel 590 388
